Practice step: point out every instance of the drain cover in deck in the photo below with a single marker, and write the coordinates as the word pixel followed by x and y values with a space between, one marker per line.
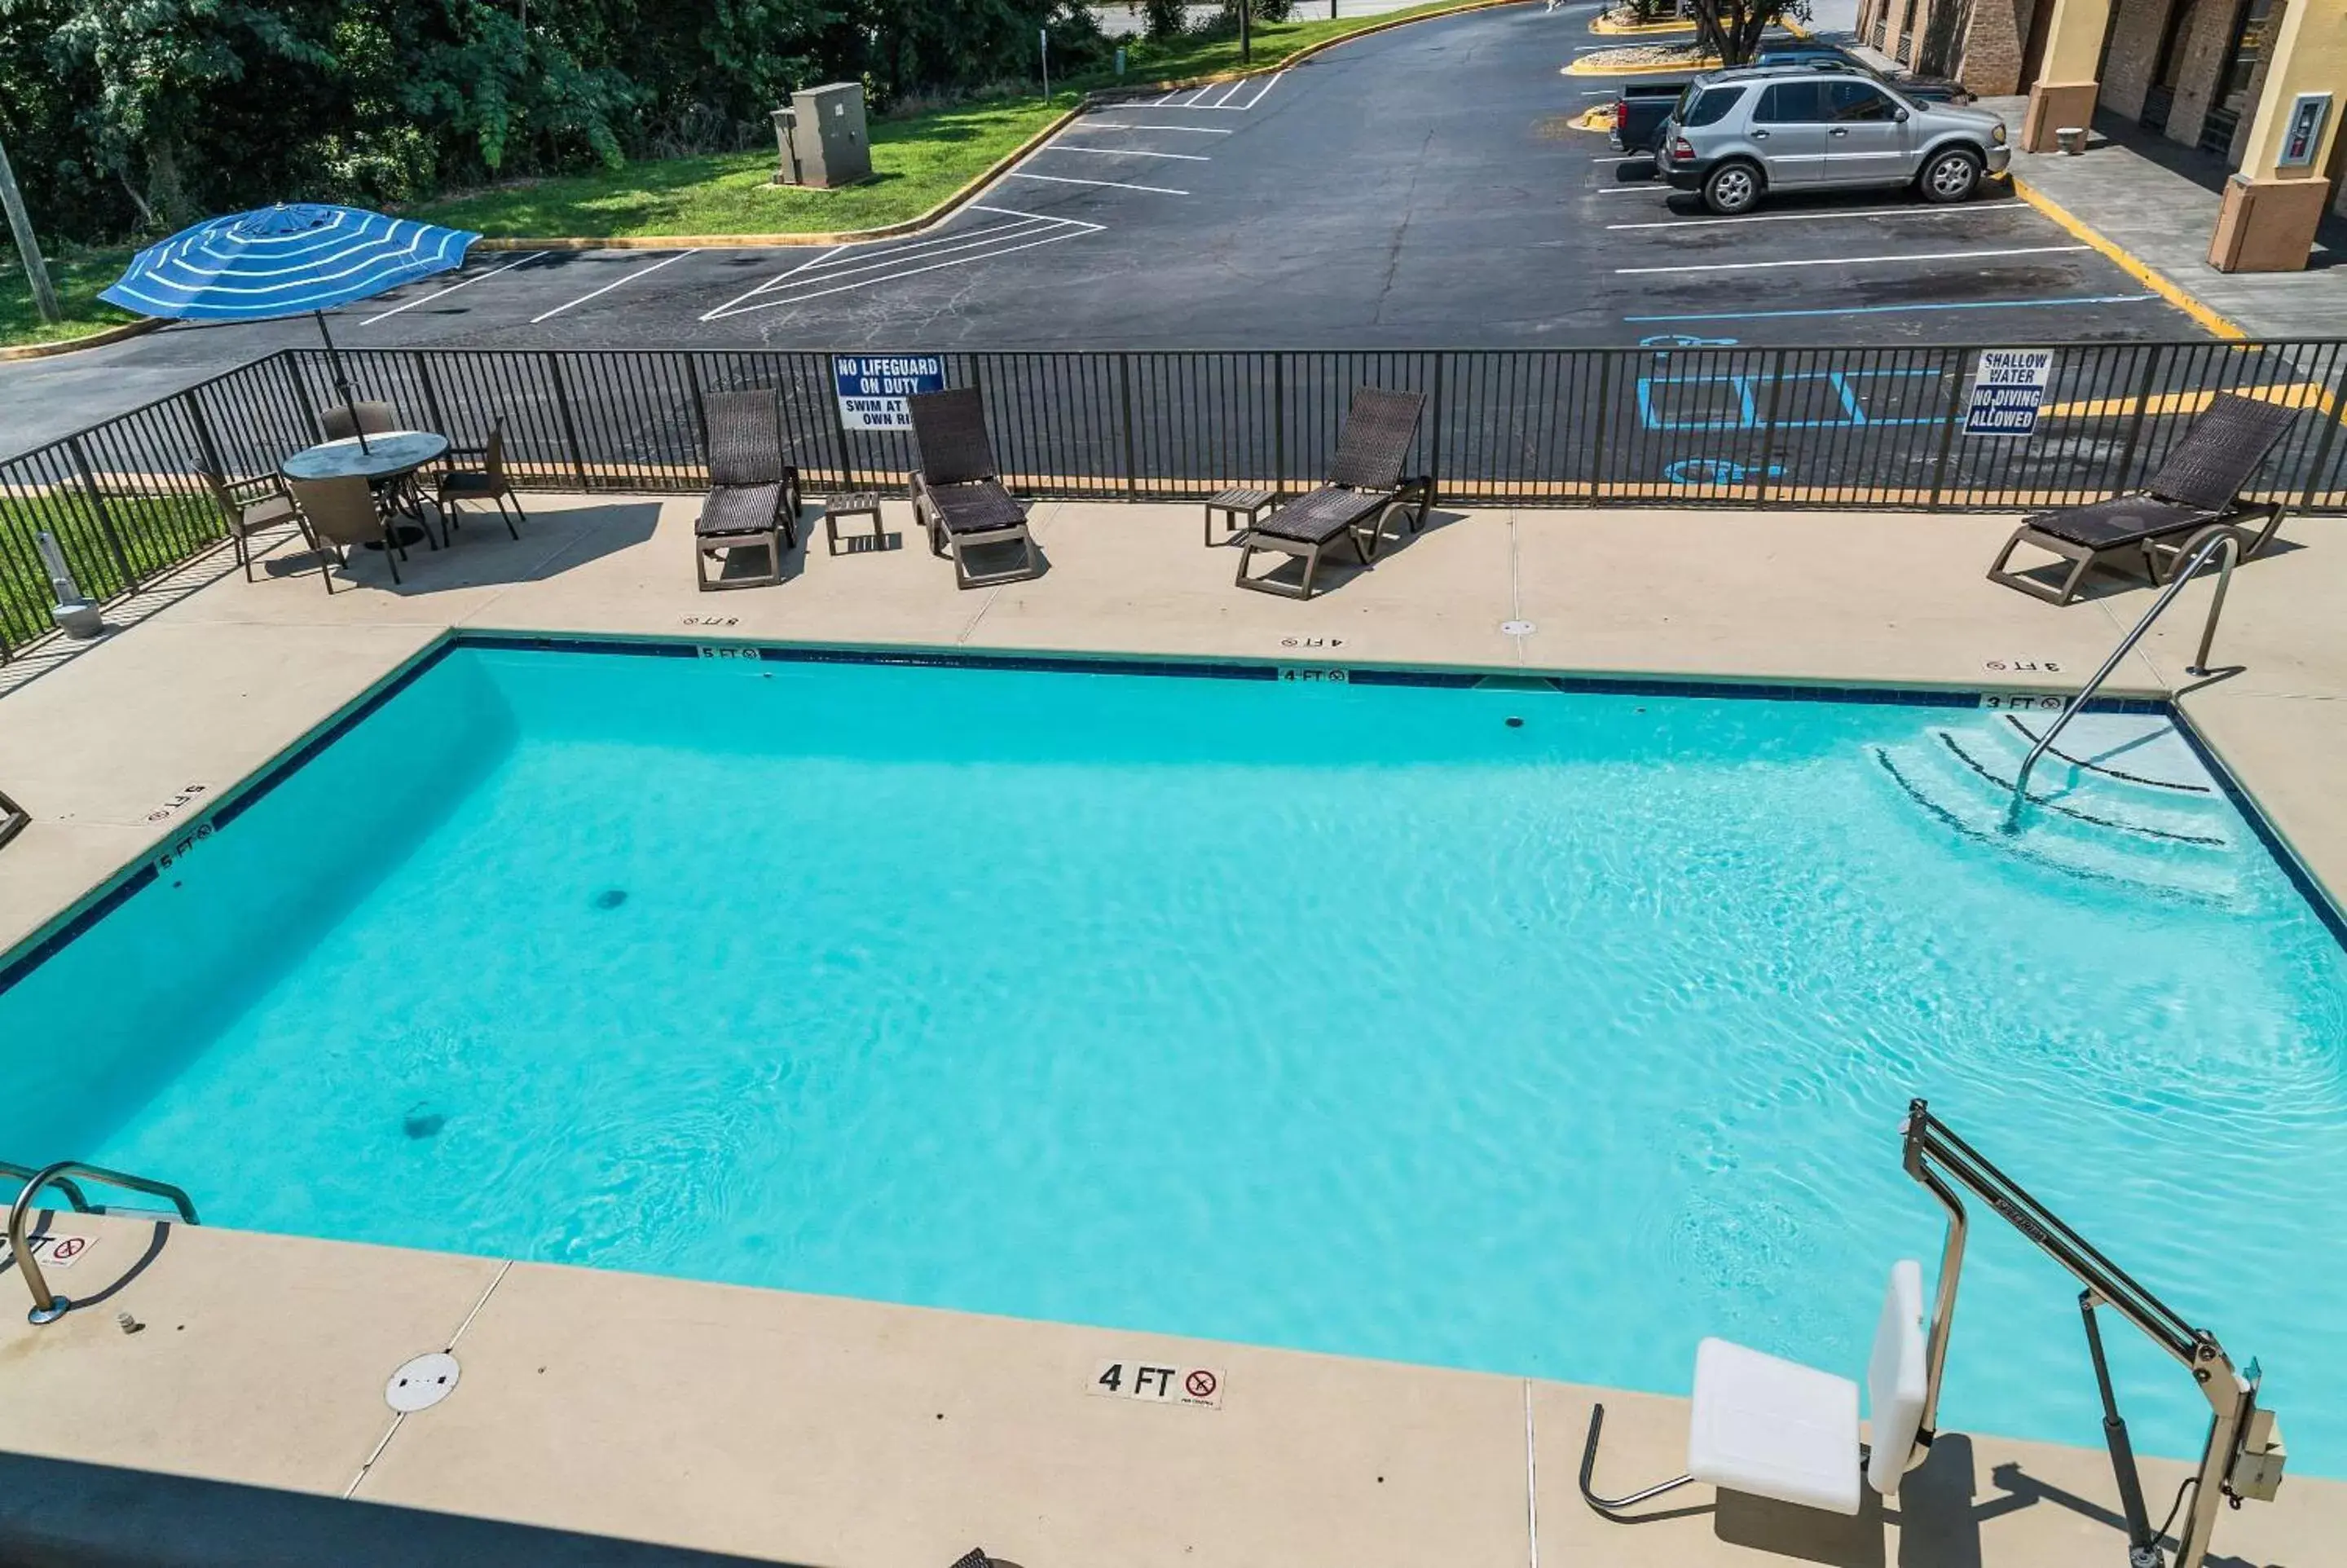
pixel 422 1383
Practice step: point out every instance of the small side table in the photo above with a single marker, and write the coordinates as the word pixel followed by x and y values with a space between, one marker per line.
pixel 1235 505
pixel 861 503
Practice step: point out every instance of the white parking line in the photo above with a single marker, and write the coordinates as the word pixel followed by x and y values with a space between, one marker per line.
pixel 469 282
pixel 1090 123
pixel 852 266
pixel 1266 90
pixel 1950 211
pixel 1656 188
pixel 1855 260
pixel 1116 184
pixel 606 287
pixel 1229 93
pixel 1131 152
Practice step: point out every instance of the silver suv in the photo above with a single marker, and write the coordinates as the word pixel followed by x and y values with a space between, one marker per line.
pixel 1735 135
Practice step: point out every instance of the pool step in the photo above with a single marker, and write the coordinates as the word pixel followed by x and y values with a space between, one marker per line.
pixel 2156 827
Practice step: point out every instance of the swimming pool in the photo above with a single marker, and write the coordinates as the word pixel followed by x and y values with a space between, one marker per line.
pixel 1528 1027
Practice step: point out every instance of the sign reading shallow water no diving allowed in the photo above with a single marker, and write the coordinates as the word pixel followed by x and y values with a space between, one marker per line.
pixel 872 387
pixel 2008 391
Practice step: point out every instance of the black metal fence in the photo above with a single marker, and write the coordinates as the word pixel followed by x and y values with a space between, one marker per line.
pixel 1692 425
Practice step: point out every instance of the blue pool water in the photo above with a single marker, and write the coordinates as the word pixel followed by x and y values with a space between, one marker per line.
pixel 1350 1018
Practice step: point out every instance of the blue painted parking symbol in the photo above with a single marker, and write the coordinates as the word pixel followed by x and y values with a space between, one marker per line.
pixel 1719 471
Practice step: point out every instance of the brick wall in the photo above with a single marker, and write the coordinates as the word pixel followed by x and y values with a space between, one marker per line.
pixel 2135 49
pixel 2203 43
pixel 1990 59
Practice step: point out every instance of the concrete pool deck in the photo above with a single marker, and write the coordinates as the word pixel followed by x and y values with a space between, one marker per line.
pixel 716 1419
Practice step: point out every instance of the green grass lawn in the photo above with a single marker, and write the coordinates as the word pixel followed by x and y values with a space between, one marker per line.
pixel 79 275
pixel 917 161
pixel 154 531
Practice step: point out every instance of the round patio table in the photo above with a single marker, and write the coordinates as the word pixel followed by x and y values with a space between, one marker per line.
pixel 388 457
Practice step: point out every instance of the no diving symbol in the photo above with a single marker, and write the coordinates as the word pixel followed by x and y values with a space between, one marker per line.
pixel 1200 1384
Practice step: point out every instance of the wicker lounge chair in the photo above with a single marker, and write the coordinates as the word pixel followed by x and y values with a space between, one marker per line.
pixel 753 494
pixel 1365 487
pixel 957 494
pixel 2198 488
pixel 339 513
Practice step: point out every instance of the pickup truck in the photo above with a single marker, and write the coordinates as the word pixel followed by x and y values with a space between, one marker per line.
pixel 1642 105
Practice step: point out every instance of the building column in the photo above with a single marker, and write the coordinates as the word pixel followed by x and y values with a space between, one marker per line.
pixel 2064 93
pixel 2276 200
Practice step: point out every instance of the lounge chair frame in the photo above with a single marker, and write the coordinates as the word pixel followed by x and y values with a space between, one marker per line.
pixel 957 493
pixel 2198 487
pixel 753 493
pixel 1366 485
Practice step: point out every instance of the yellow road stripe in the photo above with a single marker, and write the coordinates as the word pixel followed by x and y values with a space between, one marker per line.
pixel 2140 270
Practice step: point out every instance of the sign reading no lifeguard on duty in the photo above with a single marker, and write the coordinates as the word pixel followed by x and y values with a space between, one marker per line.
pixel 873 386
pixel 2008 391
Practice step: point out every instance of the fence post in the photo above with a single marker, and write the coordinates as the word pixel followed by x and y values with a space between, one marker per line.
pixel 1768 423
pixel 1124 417
pixel 300 384
pixel 1604 426
pixel 97 504
pixel 1278 423
pixel 431 396
pixel 2330 405
pixel 2151 363
pixel 838 424
pixel 569 428
pixel 203 429
pixel 1434 432
pixel 1951 377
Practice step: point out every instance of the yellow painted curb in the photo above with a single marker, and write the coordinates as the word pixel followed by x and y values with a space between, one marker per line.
pixel 2141 271
pixel 993 172
pixel 88 340
pixel 1604 28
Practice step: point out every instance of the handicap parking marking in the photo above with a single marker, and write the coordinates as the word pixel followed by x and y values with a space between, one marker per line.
pixel 1856 261
pixel 1930 212
pixel 465 283
pixel 598 293
pixel 852 266
pixel 1847 388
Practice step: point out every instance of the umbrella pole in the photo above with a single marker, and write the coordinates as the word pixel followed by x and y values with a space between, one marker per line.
pixel 341 382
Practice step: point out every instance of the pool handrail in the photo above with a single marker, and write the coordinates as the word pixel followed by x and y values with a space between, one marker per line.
pixel 13 818
pixel 48 1306
pixel 2243 1456
pixel 2218 538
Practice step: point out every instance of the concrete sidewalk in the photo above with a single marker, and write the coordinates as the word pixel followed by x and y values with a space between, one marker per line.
pixel 2155 202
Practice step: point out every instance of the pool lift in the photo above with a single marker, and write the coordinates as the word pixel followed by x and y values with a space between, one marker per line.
pixel 2243 1456
pixel 1771 1427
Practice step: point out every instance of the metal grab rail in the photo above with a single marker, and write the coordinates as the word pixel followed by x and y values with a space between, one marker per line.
pixel 13 818
pixel 48 1306
pixel 10 1171
pixel 2221 538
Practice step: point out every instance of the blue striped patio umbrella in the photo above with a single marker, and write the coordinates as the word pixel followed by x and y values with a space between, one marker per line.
pixel 284 261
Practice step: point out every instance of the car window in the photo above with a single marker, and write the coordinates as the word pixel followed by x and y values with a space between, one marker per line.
pixel 1790 103
pixel 1848 101
pixel 1713 106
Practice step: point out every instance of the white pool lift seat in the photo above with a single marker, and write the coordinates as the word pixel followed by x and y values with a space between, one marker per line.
pixel 1775 1429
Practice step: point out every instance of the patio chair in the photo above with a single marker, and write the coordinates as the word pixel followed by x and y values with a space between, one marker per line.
pixel 343 422
pixel 753 494
pixel 249 506
pixel 957 494
pixel 2198 488
pixel 342 513
pixel 1365 487
pixel 487 483
pixel 1775 1429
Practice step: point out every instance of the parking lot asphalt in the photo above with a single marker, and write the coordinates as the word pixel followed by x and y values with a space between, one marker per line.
pixel 1424 187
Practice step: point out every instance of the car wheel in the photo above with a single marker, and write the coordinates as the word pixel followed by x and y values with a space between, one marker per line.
pixel 1951 176
pixel 1731 189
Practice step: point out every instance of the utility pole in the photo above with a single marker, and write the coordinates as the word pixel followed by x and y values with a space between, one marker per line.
pixel 1247 39
pixel 20 224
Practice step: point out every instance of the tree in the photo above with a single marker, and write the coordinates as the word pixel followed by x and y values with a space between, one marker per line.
pixel 1731 29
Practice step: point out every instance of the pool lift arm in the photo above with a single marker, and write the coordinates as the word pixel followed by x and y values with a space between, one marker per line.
pixel 2243 1456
